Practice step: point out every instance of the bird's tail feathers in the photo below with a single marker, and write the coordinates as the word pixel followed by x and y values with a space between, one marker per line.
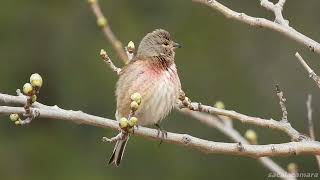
pixel 118 151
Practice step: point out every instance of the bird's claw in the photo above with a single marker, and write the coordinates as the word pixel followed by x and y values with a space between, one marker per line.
pixel 161 133
pixel 120 136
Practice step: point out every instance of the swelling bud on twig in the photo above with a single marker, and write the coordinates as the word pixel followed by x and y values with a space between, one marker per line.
pixel 136 97
pixel 27 89
pixel 102 22
pixel 251 136
pixel 103 54
pixel 134 105
pixel 219 104
pixel 36 80
pixel 14 117
pixel 123 123
pixel 131 47
pixel 133 121
pixel 292 168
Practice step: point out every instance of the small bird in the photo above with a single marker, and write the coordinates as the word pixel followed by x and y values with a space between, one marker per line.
pixel 152 73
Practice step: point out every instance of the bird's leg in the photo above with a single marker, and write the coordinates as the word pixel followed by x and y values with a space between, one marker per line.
pixel 163 132
pixel 121 136
pixel 133 128
pixel 127 124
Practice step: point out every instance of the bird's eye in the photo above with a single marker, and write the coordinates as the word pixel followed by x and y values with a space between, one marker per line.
pixel 166 43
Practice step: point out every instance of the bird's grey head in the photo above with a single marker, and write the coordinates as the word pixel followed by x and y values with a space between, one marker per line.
pixel 157 43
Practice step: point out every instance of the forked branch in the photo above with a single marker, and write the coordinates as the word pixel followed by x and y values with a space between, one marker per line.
pixel 280 27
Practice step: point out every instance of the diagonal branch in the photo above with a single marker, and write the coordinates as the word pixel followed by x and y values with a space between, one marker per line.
pixel 104 56
pixel 103 24
pixel 262 22
pixel 311 73
pixel 283 149
pixel 310 124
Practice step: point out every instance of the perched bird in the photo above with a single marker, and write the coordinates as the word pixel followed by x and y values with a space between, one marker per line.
pixel 152 73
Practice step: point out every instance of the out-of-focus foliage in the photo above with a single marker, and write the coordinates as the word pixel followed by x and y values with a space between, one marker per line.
pixel 220 60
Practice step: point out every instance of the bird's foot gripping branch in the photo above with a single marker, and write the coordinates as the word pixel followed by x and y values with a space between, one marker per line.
pixel 127 124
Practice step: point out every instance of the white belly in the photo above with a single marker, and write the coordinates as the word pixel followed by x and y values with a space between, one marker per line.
pixel 163 97
pixel 159 95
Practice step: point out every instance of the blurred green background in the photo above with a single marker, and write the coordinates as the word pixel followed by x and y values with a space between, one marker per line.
pixel 220 60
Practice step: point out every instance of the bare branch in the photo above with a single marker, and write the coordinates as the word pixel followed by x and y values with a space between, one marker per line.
pixel 281 3
pixel 277 10
pixel 312 74
pixel 262 22
pixel 103 24
pixel 284 149
pixel 268 123
pixel 234 135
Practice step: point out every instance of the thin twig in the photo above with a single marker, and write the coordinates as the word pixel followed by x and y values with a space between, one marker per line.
pixel 310 124
pixel 104 56
pixel 130 49
pixel 103 24
pixel 282 104
pixel 129 54
pixel 262 22
pixel 311 73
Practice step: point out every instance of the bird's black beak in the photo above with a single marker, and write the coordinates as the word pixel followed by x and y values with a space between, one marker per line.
pixel 176 45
